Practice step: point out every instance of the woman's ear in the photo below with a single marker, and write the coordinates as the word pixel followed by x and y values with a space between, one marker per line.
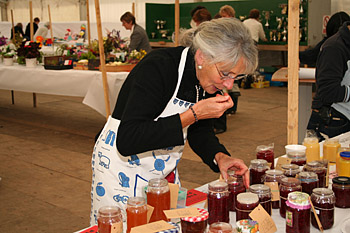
pixel 199 57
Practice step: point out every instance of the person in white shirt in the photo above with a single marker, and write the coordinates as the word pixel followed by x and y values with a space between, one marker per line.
pixel 42 31
pixel 255 27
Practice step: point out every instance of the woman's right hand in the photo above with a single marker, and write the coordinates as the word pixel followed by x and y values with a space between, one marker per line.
pixel 213 107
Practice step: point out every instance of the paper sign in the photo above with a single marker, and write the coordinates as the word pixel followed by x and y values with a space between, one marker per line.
pixel 149 212
pixel 174 193
pixel 266 224
pixel 281 161
pixel 152 227
pixel 275 191
pixel 182 213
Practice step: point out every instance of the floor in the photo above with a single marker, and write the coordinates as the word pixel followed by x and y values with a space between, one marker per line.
pixel 45 154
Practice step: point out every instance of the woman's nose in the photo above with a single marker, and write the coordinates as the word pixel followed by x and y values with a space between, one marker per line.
pixel 228 84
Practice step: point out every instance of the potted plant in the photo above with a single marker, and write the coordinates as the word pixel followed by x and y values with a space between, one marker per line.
pixel 8 52
pixel 29 51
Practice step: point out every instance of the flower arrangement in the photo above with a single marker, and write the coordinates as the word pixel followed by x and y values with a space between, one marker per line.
pixel 29 49
pixel 3 41
pixel 8 51
pixel 135 56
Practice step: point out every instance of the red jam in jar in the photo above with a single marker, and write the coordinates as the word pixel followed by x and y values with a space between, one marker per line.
pixel 197 224
pixel 266 153
pixel 287 186
pixel 290 170
pixel 318 168
pixel 298 213
pixel 297 157
pixel 235 186
pixel 218 202
pixel 274 176
pixel 220 227
pixel 264 194
pixel 257 169
pixel 109 219
pixel 309 181
pixel 341 189
pixel 323 200
pixel 246 203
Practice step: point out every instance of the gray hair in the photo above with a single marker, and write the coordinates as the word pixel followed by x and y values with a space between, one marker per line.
pixel 223 40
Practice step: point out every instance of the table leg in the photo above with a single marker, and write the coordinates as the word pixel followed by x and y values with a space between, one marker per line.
pixel 13 96
pixel 34 100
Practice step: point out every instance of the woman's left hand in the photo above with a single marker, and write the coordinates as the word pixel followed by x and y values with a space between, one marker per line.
pixel 225 162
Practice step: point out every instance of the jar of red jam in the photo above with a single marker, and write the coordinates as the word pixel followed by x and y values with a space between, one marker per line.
pixel 323 200
pixel 235 187
pixel 309 181
pixel 220 227
pixel 341 189
pixel 158 196
pixel 318 168
pixel 266 153
pixel 287 186
pixel 298 213
pixel 109 219
pixel 297 157
pixel 290 170
pixel 257 169
pixel 246 203
pixel 218 202
pixel 197 224
pixel 274 176
pixel 264 194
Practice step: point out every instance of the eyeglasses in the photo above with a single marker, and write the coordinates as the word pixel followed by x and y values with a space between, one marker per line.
pixel 228 75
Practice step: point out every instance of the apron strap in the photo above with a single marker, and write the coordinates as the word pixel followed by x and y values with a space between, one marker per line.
pixel 181 69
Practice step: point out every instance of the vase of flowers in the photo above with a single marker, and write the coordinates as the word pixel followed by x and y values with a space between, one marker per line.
pixel 8 52
pixel 29 52
pixel 8 59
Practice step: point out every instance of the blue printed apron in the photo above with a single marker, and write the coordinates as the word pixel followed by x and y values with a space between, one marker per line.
pixel 115 178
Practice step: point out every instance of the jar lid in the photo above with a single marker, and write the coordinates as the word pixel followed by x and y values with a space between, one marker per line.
pixel 288 181
pixel 341 180
pixel 109 211
pixel 203 216
pixel 290 167
pixel 247 198
pixel 136 201
pixel 322 191
pixel 259 189
pixel 247 226
pixel 264 148
pixel 258 162
pixel 274 172
pixel 220 227
pixel 331 141
pixel 307 176
pixel 345 154
pixel 298 200
pixel 157 182
pixel 218 186
pixel 173 230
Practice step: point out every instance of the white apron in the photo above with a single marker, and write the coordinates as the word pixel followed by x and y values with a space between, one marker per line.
pixel 115 178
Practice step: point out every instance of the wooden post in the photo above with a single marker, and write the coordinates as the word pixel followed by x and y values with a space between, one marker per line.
pixel 102 58
pixel 88 22
pixel 293 67
pixel 48 7
pixel 177 22
pixel 13 29
pixel 31 21
pixel 133 8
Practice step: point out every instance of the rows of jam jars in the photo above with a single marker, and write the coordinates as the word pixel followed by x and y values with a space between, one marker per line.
pixel 341 189
pixel 246 203
pixel 290 170
pixel 218 202
pixel 298 213
pixel 264 194
pixel 343 165
pixel 287 186
pixel 235 187
pixel 309 181
pixel 257 169
pixel 274 176
pixel 321 171
pixel 330 149
pixel 158 196
pixel 312 148
pixel 266 153
pixel 197 224
pixel 220 227
pixel 109 219
pixel 297 157
pixel 136 212
pixel 323 200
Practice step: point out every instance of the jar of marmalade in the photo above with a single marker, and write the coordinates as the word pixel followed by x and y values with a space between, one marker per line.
pixel 344 164
pixel 109 219
pixel 220 227
pixel 298 213
pixel 274 176
pixel 257 169
pixel 136 212
pixel 330 149
pixel 309 181
pixel 318 168
pixel 287 186
pixel 197 224
pixel 341 189
pixel 264 194
pixel 323 200
pixel 290 170
pixel 246 203
pixel 297 157
pixel 218 202
pixel 158 196
pixel 266 153
pixel 235 187
pixel 312 148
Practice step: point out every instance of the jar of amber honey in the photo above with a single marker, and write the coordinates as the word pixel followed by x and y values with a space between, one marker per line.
pixel 158 196
pixel 110 220
pixel 196 224
pixel 312 148
pixel 344 164
pixel 330 149
pixel 136 212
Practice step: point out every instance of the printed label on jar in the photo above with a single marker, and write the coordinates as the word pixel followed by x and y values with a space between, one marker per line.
pixel 316 210
pixel 289 218
pixel 117 227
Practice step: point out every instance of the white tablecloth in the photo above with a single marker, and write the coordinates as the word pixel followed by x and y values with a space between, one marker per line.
pixel 82 83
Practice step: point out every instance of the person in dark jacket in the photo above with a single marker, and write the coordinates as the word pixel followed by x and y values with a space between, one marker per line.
pixel 18 30
pixel 35 27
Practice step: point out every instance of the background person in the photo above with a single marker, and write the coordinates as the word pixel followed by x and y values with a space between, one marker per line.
pixel 193 11
pixel 201 16
pixel 18 30
pixel 43 31
pixel 35 28
pixel 254 26
pixel 227 11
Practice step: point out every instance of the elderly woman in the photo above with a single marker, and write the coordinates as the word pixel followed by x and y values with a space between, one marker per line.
pixel 168 98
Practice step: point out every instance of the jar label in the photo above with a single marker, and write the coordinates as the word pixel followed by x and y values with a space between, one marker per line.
pixel 289 218
pixel 275 191
pixel 117 227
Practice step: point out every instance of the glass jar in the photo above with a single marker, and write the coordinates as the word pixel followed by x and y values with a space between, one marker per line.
pixel 235 186
pixel 318 168
pixel 309 181
pixel 136 212
pixel 287 186
pixel 290 170
pixel 197 224
pixel 344 164
pixel 341 189
pixel 247 225
pixel 274 176
pixel 220 227
pixel 158 196
pixel 218 202
pixel 109 219
pixel 323 200
pixel 246 203
pixel 341 149
pixel 298 213
pixel 266 153
pixel 297 157
pixel 264 194
pixel 312 148
pixel 257 169
pixel 330 149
